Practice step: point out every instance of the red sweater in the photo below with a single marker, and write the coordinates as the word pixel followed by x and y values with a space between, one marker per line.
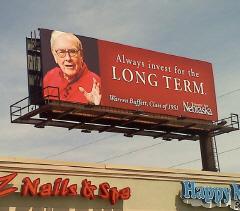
pixel 68 91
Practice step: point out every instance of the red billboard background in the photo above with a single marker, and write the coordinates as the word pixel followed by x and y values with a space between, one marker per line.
pixel 134 78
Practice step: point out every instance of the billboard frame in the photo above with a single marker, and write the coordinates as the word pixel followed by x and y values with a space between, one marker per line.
pixel 90 117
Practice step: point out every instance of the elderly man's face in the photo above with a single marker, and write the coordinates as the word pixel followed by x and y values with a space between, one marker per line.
pixel 70 65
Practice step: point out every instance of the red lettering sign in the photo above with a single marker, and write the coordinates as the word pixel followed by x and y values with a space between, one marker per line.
pixel 45 190
pixel 104 187
pixel 113 194
pixel 30 187
pixel 61 187
pixel 56 187
pixel 125 193
pixel 87 189
pixel 4 181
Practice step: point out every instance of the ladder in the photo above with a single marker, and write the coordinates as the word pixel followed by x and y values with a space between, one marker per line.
pixel 215 152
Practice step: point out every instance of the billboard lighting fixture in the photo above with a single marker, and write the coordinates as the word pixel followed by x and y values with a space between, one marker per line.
pixel 223 122
pixel 139 111
pixel 86 131
pixel 167 139
pixel 128 135
pixel 182 117
pixel 89 105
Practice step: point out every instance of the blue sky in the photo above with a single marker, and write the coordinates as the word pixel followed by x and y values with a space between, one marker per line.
pixel 200 29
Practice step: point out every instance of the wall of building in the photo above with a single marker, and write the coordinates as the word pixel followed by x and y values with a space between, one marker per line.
pixel 151 188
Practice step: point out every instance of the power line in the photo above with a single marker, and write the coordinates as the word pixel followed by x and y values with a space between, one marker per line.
pixel 41 145
pixel 60 153
pixel 137 150
pixel 185 163
pixel 228 93
pixel 226 74
pixel 230 150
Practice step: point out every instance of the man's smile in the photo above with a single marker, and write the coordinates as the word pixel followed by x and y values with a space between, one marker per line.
pixel 69 66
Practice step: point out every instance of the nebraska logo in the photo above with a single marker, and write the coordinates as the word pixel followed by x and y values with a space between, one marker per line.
pixel 197 109
pixel 61 187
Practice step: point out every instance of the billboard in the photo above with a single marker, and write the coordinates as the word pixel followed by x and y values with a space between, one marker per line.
pixel 121 76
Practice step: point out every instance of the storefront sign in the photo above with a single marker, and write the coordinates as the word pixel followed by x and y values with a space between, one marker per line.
pixel 210 197
pixel 62 187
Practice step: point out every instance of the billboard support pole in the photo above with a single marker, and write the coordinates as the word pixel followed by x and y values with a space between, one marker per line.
pixel 207 152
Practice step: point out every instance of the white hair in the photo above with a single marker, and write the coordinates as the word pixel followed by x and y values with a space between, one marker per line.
pixel 55 34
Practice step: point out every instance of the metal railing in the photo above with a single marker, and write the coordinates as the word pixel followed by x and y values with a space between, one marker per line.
pixel 232 121
pixel 32 103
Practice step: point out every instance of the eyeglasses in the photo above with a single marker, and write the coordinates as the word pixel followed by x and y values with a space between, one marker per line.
pixel 71 52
